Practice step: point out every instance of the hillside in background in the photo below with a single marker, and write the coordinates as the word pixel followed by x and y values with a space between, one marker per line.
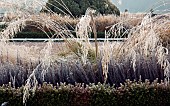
pixel 78 7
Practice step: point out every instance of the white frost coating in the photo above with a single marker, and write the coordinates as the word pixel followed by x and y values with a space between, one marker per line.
pixel 83 30
pixel 32 5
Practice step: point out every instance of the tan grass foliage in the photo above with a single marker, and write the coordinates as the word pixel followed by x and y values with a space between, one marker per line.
pixel 103 22
pixel 12 53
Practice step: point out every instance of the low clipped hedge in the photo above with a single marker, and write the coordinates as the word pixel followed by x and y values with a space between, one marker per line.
pixel 43 35
pixel 32 35
pixel 129 94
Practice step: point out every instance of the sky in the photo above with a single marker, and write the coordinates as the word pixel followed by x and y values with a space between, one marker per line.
pixel 135 6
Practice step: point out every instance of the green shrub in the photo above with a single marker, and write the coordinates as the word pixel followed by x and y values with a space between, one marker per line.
pixel 32 35
pixel 11 95
pixel 129 94
pixel 103 95
pixel 78 7
pixel 43 35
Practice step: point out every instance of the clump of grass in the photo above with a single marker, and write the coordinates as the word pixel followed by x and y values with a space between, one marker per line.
pixel 83 32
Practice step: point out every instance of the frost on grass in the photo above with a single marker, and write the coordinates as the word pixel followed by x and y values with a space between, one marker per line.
pixel 138 57
pixel 25 11
pixel 83 32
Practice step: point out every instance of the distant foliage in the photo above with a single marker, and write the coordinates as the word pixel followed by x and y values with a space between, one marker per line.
pixel 78 7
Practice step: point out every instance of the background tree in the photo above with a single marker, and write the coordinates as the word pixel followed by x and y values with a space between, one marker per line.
pixel 78 7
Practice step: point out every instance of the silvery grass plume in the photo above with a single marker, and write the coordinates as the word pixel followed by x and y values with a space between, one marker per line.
pixel 83 32
pixel 144 48
pixel 31 84
pixel 142 51
pixel 16 14
pixel 144 43
pixel 161 6
pixel 106 53
pixel 47 59
pixel 23 12
pixel 62 4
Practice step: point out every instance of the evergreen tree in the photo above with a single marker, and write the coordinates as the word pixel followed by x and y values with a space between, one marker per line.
pixel 78 7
